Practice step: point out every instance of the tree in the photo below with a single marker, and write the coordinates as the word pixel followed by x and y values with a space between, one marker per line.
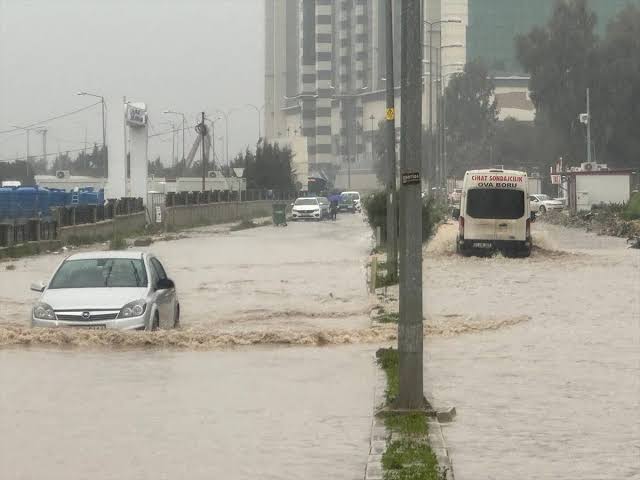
pixel 561 58
pixel 471 118
pixel 269 168
pixel 616 105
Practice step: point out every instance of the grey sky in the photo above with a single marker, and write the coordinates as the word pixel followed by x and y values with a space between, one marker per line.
pixel 183 55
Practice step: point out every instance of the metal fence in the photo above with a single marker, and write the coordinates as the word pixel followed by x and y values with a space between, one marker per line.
pixel 173 199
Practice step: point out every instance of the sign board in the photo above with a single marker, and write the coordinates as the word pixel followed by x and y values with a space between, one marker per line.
pixel 409 178
pixel 390 114
pixel 136 114
pixel 158 214
pixel 238 172
pixel 556 179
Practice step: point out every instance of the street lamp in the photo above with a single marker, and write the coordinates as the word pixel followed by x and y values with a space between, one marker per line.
pixel 104 127
pixel 431 25
pixel 258 110
pixel 372 118
pixel 226 116
pixel 213 136
pixel 171 112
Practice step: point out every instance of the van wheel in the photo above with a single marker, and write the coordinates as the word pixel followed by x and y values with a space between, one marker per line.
pixel 542 210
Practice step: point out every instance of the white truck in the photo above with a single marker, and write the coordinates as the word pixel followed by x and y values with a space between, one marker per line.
pixel 495 213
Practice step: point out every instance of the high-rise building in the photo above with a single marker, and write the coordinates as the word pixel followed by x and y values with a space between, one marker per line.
pixel 325 81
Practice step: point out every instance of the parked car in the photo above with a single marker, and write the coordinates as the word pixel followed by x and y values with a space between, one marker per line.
pixel 347 204
pixel 325 207
pixel 108 290
pixel 455 196
pixel 306 208
pixel 355 196
pixel 542 204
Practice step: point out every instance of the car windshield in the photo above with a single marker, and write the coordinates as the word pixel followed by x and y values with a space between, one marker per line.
pixel 352 196
pixel 100 273
pixel 543 198
pixel 306 201
pixel 323 201
pixel 495 203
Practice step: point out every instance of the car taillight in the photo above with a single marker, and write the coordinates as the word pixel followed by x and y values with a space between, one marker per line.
pixel 528 227
pixel 461 226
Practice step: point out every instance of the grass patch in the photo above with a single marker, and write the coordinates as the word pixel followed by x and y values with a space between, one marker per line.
pixel 388 360
pixel 117 243
pixel 388 317
pixel 409 459
pixel 384 279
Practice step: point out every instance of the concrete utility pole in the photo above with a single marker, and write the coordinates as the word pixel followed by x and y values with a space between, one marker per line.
pixel 588 126
pixel 203 133
pixel 410 335
pixel 390 131
pixel 43 132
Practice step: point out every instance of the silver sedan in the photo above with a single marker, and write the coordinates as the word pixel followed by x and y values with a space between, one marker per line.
pixel 108 290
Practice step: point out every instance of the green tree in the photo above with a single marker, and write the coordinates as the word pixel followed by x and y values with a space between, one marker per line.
pixel 471 118
pixel 616 105
pixel 270 167
pixel 561 58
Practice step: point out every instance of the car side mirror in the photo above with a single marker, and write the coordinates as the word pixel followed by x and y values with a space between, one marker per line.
pixel 38 287
pixel 533 217
pixel 165 284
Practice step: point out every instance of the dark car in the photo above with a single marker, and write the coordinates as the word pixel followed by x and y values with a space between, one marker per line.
pixel 347 204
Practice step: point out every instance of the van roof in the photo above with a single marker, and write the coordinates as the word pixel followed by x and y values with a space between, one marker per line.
pixel 495 170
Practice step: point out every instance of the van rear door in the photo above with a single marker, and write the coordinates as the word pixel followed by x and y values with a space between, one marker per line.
pixel 496 214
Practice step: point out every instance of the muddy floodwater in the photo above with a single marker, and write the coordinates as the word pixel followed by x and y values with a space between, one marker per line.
pixel 540 357
pixel 262 413
pixel 557 397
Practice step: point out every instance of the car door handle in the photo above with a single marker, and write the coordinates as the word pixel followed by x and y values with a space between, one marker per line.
pixel 503 225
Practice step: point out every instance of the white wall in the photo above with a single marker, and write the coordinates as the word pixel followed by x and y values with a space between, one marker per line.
pixel 604 188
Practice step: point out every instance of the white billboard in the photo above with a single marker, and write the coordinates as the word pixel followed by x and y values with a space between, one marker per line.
pixel 136 114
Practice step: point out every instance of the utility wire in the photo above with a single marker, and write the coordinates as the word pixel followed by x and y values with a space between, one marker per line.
pixel 37 157
pixel 52 118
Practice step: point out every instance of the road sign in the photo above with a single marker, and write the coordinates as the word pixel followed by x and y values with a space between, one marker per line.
pixel 390 114
pixel 238 172
pixel 556 179
pixel 158 214
pixel 410 178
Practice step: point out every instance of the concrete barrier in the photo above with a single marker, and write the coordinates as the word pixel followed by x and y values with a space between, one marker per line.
pixel 186 216
pixel 100 231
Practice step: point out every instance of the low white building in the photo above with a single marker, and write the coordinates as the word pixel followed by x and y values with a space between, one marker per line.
pixel 589 188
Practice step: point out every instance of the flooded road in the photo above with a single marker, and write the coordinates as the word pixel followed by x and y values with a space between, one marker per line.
pixel 243 414
pixel 557 397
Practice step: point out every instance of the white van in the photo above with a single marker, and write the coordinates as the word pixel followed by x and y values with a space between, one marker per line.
pixel 495 213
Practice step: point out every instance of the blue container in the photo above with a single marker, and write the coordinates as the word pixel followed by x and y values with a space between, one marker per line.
pixel 57 197
pixel 44 201
pixel 6 202
pixel 88 198
pixel 26 202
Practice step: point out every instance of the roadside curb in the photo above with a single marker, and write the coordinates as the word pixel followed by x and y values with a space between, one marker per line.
pixel 380 437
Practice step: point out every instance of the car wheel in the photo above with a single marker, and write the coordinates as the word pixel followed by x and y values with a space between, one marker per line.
pixel 542 210
pixel 176 321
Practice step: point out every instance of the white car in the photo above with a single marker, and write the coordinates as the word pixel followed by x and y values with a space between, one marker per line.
pixel 307 208
pixel 355 196
pixel 122 290
pixel 540 203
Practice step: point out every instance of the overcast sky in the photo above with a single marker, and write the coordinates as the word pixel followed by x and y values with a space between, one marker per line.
pixel 184 55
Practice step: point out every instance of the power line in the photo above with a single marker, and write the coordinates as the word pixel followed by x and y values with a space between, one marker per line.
pixel 52 118
pixel 37 157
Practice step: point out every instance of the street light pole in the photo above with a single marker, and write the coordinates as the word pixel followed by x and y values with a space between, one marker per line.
pixel 258 110
pixel 432 159
pixel 226 131
pixel 372 118
pixel 171 112
pixel 390 132
pixel 104 128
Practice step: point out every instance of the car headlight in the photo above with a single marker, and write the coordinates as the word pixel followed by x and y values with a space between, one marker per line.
pixel 43 311
pixel 133 309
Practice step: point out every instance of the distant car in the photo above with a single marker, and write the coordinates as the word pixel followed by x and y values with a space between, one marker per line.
pixel 307 208
pixel 542 204
pixel 346 204
pixel 108 290
pixel 455 196
pixel 355 196
pixel 325 207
